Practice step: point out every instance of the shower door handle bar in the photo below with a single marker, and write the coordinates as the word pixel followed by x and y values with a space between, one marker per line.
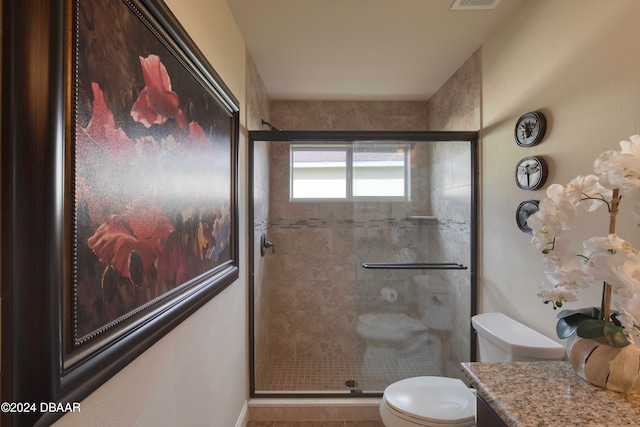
pixel 414 266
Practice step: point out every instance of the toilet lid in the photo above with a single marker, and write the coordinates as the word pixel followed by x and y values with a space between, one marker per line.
pixel 390 322
pixel 433 399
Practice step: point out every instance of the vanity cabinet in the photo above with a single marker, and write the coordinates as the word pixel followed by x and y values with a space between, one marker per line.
pixel 485 416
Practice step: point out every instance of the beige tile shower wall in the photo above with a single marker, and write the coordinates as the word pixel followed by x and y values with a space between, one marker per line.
pixel 451 194
pixel 313 279
pixel 258 108
pixel 259 105
pixel 312 293
pixel 349 115
pixel 311 273
pixel 455 107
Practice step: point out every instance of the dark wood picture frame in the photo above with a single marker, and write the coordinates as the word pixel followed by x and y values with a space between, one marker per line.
pixel 62 258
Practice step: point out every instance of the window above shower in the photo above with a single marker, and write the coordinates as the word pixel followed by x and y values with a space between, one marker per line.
pixel 344 172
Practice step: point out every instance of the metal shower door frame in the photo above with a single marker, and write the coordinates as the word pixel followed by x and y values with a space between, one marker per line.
pixel 369 136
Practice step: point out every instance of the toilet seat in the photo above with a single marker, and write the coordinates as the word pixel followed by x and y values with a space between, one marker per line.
pixel 428 401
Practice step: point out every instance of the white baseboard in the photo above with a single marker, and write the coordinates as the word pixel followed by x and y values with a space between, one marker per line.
pixel 242 418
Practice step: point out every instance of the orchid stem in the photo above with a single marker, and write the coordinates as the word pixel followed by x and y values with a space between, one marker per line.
pixel 605 311
pixel 615 200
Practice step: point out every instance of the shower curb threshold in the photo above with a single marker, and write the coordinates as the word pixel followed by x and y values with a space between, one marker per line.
pixel 318 401
pixel 310 409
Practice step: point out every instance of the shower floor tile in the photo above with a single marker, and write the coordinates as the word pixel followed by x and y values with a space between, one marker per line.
pixel 330 374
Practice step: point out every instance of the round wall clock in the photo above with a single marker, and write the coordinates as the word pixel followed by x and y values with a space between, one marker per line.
pixel 530 129
pixel 531 173
pixel 524 211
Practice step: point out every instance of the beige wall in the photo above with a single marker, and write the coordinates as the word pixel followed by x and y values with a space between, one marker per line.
pixel 576 62
pixel 197 374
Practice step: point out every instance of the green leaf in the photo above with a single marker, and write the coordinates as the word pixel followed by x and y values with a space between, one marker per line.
pixel 591 312
pixel 614 318
pixel 615 335
pixel 586 323
pixel 591 328
pixel 570 321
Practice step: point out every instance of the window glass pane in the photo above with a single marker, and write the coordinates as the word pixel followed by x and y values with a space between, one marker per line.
pixel 379 173
pixel 319 174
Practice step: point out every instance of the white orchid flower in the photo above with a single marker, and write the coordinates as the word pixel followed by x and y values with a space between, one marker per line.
pixel 556 191
pixel 618 262
pixel 632 146
pixel 621 169
pixel 590 193
pixel 558 256
pixel 557 295
pixel 629 278
pixel 543 235
pixel 610 243
pixel 570 279
pixel 556 214
pixel 553 217
pixel 630 317
pixel 610 259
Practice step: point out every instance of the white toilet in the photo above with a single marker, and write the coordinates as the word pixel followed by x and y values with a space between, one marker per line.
pixel 396 335
pixel 387 334
pixel 440 401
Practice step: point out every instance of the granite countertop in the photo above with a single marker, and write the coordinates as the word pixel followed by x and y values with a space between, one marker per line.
pixel 549 394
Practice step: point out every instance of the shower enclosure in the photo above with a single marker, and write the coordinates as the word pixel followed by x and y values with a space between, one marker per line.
pixel 364 258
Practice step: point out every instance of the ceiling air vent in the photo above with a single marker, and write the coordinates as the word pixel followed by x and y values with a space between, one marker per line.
pixel 474 4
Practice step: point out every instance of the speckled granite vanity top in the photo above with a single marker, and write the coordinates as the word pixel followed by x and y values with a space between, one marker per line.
pixel 549 394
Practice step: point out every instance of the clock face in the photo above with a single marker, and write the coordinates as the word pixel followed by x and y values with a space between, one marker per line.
pixel 524 211
pixel 531 173
pixel 530 129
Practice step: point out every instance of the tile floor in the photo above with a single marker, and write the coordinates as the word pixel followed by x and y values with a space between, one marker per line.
pixel 330 374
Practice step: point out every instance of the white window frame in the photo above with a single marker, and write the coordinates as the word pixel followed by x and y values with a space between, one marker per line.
pixel 349 149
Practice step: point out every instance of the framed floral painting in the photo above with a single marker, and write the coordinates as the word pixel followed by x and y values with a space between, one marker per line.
pixel 119 192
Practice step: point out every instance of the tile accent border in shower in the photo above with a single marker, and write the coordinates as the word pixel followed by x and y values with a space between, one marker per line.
pixel 260 226
pixel 445 225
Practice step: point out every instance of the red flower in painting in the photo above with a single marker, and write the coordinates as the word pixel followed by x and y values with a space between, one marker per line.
pixel 101 134
pixel 101 150
pixel 139 229
pixel 197 138
pixel 140 195
pixel 157 102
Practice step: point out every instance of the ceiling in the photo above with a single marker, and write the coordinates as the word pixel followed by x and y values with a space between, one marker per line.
pixel 361 50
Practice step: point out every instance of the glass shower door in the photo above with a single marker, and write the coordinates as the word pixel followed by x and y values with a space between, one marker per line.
pixel 345 305
pixel 412 240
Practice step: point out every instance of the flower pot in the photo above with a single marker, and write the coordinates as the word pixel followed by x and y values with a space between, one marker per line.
pixel 603 365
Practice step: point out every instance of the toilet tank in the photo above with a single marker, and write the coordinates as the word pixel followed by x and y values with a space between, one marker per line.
pixel 502 339
pixel 435 302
